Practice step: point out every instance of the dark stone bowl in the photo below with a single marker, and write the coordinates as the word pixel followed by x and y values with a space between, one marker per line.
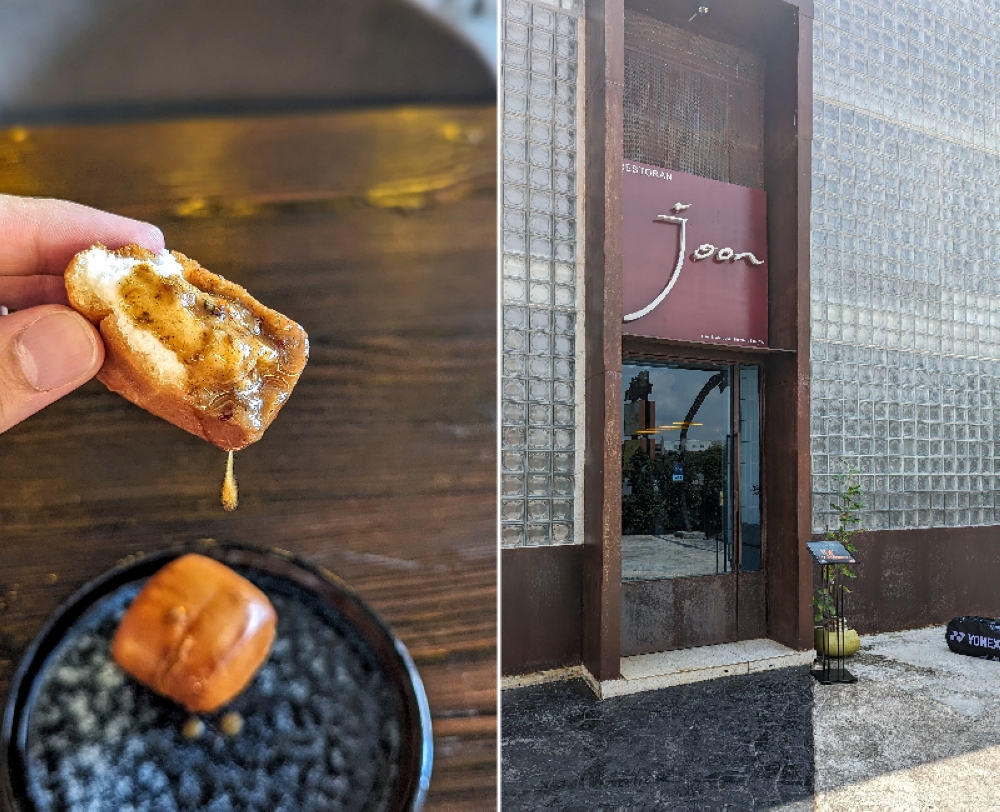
pixel 336 719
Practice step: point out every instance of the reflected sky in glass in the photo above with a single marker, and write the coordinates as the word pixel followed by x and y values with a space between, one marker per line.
pixel 674 390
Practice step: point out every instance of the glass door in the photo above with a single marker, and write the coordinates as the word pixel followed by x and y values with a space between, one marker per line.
pixel 691 504
pixel 676 472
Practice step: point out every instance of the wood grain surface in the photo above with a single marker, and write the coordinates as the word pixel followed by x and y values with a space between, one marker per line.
pixel 377 232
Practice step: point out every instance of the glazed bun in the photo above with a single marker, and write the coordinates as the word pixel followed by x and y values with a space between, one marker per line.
pixel 196 633
pixel 186 344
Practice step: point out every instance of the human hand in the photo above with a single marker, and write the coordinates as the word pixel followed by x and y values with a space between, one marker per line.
pixel 46 349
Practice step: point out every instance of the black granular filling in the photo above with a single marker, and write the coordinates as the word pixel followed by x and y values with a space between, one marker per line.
pixel 320 734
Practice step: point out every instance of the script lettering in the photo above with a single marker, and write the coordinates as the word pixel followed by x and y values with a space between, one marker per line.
pixel 705 250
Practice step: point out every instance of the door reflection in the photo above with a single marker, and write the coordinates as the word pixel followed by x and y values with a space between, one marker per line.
pixel 676 463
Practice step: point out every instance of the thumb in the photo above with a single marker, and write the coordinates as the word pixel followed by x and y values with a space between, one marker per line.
pixel 45 352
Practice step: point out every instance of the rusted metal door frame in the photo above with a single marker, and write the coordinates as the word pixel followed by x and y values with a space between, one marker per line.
pixel 783 28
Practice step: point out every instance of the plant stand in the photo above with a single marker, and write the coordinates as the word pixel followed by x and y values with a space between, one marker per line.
pixel 828 555
pixel 833 669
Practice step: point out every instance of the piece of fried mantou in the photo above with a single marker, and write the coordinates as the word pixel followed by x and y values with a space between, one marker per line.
pixel 196 633
pixel 186 344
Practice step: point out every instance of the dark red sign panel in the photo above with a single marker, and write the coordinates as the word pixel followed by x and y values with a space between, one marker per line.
pixel 694 257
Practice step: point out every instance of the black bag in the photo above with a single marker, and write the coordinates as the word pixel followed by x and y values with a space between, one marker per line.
pixel 974 636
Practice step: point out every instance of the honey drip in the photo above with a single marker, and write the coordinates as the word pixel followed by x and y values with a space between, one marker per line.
pixel 230 492
pixel 231 724
pixel 193 728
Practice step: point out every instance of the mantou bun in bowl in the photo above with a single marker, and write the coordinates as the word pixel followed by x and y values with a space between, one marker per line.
pixel 186 344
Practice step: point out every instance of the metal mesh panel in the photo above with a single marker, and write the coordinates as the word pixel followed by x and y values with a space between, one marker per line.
pixel 693 104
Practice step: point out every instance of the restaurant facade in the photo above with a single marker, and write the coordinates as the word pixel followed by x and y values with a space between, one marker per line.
pixel 746 245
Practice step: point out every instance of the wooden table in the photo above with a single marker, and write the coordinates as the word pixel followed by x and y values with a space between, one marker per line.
pixel 376 230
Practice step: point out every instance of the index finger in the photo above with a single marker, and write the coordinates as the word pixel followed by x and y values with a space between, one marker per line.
pixel 41 235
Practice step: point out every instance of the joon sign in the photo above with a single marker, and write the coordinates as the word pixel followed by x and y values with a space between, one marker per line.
pixel 694 258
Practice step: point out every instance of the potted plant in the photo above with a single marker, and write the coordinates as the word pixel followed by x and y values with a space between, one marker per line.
pixel 830 629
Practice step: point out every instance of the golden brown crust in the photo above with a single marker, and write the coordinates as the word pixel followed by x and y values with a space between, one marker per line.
pixel 196 633
pixel 123 371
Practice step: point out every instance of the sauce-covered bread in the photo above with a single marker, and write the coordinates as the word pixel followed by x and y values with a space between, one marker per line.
pixel 186 344
pixel 196 633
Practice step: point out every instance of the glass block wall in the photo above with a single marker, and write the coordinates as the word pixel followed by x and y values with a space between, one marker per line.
pixel 542 277
pixel 906 259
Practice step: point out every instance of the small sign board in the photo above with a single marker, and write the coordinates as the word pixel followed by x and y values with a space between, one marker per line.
pixel 678 472
pixel 694 258
pixel 830 552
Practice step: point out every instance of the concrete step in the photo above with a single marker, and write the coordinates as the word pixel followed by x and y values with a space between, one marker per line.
pixel 648 672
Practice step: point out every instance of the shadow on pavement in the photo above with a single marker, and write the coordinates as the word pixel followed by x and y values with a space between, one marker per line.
pixel 743 742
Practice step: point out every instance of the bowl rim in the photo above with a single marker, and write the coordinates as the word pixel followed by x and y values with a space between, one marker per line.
pixel 417 751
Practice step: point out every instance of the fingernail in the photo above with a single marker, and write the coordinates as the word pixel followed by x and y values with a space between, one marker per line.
pixel 55 350
pixel 156 240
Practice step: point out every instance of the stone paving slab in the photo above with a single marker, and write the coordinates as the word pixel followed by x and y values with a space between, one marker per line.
pixel 736 743
pixel 920 730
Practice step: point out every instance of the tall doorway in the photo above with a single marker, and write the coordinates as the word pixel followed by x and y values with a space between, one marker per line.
pixel 692 534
